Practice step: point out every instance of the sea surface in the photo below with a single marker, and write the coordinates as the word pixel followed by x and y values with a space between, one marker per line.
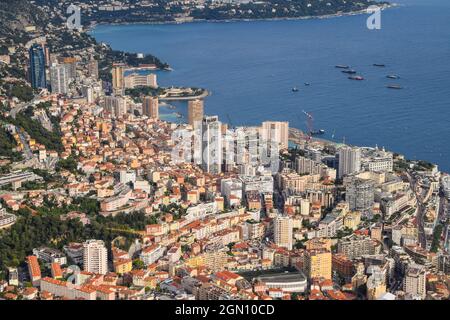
pixel 251 68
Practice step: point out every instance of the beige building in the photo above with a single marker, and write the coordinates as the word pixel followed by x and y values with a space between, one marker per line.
pixel 195 111
pixel 305 206
pixel 376 233
pixel 116 105
pixel 117 78
pixel 213 260
pixel 352 220
pixel 293 181
pixel 318 244
pixel 150 107
pixel 376 285
pixel 283 232
pixel 414 282
pixel 276 131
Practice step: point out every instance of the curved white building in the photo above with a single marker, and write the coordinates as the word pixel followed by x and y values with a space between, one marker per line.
pixel 288 282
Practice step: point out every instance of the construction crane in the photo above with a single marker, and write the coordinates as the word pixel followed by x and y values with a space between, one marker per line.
pixel 309 124
pixel 229 120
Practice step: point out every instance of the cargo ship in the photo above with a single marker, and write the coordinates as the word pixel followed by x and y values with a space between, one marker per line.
pixel 340 66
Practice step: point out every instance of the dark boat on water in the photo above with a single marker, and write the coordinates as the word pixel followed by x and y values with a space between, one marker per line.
pixel 351 71
pixel 394 86
pixel 294 89
pixel 340 66
pixel 307 84
pixel 393 76
pixel 317 132
pixel 379 65
pixel 359 78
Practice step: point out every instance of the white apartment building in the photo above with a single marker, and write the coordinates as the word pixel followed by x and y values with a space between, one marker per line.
pixel 151 254
pixel 231 187
pixel 59 79
pixel 376 160
pixel 349 161
pixel 6 219
pixel 262 183
pixel 95 257
pixel 212 152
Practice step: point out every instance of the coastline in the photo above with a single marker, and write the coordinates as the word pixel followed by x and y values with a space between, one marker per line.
pixel 337 15
pixel 93 25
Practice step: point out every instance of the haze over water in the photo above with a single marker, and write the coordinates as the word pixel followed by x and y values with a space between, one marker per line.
pixel 251 68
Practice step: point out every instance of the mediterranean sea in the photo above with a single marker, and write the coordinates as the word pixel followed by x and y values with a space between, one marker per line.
pixel 251 67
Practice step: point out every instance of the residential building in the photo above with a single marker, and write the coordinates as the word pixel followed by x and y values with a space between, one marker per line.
pixel 61 289
pixel 6 219
pixel 283 232
pixel 116 105
pixel 376 284
pixel 305 165
pixel 93 69
pixel 37 67
pixel 377 160
pixel 212 145
pixel 356 246
pixel 352 220
pixel 150 107
pixel 195 111
pixel 360 194
pixel 58 79
pixel 50 255
pixel 414 282
pixel 151 254
pixel 118 83
pixel 34 270
pixel 317 263
pixel 277 131
pixel 133 80
pixel 343 266
pixel 349 160
pixel 231 187
pixel 95 257
pixel 75 252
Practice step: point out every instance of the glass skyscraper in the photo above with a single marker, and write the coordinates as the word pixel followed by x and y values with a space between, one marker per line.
pixel 37 67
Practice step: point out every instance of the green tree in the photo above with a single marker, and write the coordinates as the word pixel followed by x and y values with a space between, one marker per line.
pixel 138 264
